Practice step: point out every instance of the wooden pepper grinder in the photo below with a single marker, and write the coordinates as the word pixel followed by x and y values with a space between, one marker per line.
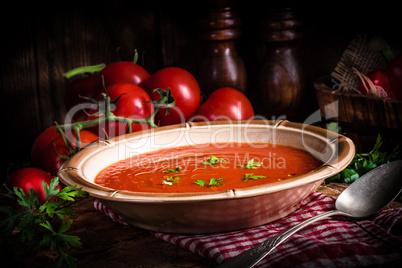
pixel 221 64
pixel 281 79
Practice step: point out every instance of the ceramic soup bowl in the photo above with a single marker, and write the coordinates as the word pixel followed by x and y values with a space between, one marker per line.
pixel 220 211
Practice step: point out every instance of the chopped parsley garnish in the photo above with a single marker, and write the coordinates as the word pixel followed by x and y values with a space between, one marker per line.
pixel 178 169
pixel 171 180
pixel 212 182
pixel 251 165
pixel 250 176
pixel 213 160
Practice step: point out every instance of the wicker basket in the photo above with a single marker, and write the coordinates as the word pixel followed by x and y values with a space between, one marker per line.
pixel 363 117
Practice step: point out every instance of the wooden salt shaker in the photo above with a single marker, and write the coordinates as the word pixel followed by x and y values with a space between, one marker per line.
pixel 281 79
pixel 221 64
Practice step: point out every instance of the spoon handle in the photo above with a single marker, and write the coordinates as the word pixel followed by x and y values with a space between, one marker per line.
pixel 252 256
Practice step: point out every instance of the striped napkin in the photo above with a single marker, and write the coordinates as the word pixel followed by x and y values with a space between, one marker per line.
pixel 331 242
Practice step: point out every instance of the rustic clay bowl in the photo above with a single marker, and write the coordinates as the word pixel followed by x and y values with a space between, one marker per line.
pixel 210 212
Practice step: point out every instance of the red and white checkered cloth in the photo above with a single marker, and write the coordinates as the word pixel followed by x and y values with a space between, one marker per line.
pixel 329 242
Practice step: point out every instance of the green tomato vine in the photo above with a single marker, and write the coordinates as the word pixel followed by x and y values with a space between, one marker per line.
pixel 166 100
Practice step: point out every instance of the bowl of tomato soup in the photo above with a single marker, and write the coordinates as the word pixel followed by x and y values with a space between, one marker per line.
pixel 207 177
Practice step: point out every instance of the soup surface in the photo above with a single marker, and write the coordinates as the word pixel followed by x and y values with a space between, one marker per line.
pixel 207 168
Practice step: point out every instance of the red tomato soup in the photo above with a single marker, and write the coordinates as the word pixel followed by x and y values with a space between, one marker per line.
pixel 207 168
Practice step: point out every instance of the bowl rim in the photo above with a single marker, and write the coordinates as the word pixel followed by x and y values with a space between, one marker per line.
pixel 71 172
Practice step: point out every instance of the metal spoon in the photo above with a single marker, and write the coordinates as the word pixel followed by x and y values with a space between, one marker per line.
pixel 364 197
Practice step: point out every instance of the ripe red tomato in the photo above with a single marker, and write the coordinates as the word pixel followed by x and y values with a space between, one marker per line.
pixel 80 87
pixel 185 90
pixel 40 144
pixel 57 149
pixel 122 72
pixel 223 104
pixel 27 178
pixel 132 104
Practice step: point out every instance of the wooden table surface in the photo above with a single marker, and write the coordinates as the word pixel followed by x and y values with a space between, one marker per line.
pixel 110 244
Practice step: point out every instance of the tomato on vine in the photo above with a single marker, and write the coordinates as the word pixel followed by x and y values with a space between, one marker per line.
pixel 40 144
pixel 184 89
pixel 225 103
pixel 101 76
pixel 129 101
pixel 57 152
pixel 79 88
pixel 121 72
pixel 82 87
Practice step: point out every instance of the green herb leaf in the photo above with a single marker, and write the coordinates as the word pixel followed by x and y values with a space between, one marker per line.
pixel 216 182
pixel 334 126
pixel 59 237
pixel 213 160
pixel 65 258
pixel 178 169
pixel 251 165
pixel 68 193
pixel 7 225
pixel 51 190
pixel 250 176
pixel 212 182
pixel 171 180
pixel 364 162
pixel 37 225
pixel 200 182
pixel 48 226
pixel 23 199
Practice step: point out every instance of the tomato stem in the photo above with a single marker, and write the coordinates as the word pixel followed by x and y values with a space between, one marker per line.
pixel 84 69
pixel 135 58
pixel 77 139
pixel 65 139
pixel 166 101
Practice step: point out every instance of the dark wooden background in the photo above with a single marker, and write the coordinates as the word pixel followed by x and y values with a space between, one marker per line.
pixel 41 42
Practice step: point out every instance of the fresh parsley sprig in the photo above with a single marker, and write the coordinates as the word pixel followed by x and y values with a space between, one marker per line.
pixel 364 162
pixel 178 169
pixel 171 180
pixel 251 165
pixel 253 177
pixel 212 182
pixel 43 226
pixel 213 160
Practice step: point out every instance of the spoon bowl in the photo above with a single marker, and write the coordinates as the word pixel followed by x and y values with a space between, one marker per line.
pixel 364 197
pixel 372 192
